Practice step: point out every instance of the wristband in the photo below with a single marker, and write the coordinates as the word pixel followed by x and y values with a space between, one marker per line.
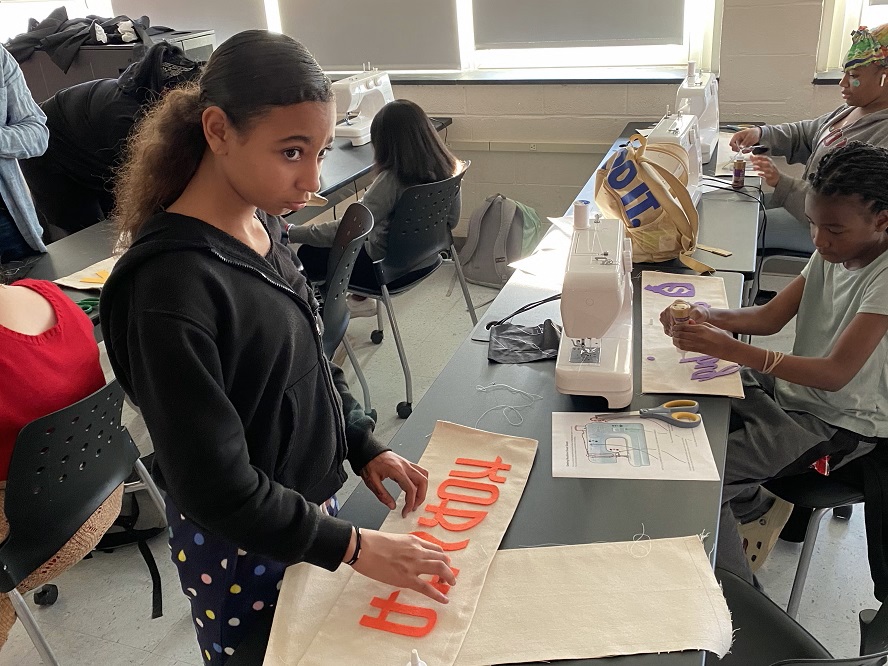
pixel 357 553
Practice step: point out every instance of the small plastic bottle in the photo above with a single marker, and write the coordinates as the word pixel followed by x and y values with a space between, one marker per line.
pixel 739 179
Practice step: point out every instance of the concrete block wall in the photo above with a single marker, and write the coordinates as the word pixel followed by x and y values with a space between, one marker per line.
pixel 767 63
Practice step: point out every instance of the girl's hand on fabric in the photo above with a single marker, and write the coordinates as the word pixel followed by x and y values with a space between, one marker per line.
pixel 745 138
pixel 699 314
pixel 702 337
pixel 766 169
pixel 400 559
pixel 413 479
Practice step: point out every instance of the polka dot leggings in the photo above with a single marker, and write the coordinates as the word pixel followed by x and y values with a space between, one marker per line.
pixel 225 585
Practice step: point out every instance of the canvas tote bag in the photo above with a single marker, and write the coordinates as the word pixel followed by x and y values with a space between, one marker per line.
pixel 653 203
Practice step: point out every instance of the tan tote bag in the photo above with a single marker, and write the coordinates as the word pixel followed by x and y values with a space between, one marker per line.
pixel 652 202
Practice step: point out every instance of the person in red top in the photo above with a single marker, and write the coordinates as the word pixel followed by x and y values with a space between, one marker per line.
pixel 49 360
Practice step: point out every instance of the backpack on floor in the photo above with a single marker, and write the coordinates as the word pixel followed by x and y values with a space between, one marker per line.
pixel 501 231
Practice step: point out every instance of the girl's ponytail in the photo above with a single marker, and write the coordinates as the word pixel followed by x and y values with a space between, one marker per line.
pixel 163 153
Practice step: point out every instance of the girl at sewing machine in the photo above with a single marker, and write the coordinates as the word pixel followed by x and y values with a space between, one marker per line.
pixel 407 151
pixel 213 333
pixel 861 117
pixel 827 402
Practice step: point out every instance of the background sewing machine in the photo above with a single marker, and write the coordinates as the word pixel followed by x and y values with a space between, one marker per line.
pixel 358 99
pixel 693 126
pixel 698 96
pixel 595 354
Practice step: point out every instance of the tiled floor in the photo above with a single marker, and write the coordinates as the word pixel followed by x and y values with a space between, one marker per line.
pixel 103 612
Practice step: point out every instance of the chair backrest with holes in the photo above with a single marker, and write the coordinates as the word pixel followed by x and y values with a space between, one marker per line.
pixel 418 231
pixel 64 465
pixel 350 234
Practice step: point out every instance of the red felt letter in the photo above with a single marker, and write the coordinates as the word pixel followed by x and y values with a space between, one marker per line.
pixel 391 605
pixel 490 469
pixel 445 545
pixel 440 585
pixel 441 510
pixel 492 491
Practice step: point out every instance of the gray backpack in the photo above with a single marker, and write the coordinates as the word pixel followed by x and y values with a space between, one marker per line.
pixel 500 231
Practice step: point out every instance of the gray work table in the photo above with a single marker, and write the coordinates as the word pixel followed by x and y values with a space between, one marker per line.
pixel 728 220
pixel 563 511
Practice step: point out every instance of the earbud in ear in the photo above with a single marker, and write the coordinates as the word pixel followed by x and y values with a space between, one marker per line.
pixel 882 83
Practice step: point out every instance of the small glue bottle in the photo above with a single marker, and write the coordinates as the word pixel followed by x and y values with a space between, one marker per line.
pixel 739 179
pixel 681 314
pixel 415 660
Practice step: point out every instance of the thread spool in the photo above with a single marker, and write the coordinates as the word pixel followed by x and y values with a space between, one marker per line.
pixel 581 214
pixel 739 175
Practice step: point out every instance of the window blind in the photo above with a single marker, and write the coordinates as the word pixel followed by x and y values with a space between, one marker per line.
pixel 390 34
pixel 512 24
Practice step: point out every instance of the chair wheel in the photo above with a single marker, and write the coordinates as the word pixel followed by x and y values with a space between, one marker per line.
pixel 843 512
pixel 405 409
pixel 46 595
pixel 373 415
pixel 376 337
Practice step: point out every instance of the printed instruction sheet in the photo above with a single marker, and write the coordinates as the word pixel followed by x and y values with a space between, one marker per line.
pixel 611 446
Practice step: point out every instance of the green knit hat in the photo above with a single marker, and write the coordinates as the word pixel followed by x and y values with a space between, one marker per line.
pixel 868 47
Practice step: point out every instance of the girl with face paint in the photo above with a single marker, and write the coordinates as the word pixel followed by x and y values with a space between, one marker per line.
pixel 862 116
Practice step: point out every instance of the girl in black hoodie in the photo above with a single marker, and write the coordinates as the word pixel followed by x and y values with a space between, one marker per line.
pixel 213 333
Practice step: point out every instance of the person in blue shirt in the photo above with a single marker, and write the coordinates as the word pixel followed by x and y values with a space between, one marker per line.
pixel 23 134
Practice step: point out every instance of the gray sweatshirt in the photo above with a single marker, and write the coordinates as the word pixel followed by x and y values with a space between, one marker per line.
pixel 808 141
pixel 380 198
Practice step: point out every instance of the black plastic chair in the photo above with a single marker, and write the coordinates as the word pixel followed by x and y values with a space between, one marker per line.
pixel 766 636
pixel 418 239
pixel 820 494
pixel 353 228
pixel 64 466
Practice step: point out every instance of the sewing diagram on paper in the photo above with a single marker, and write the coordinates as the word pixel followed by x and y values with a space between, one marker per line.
pixel 610 446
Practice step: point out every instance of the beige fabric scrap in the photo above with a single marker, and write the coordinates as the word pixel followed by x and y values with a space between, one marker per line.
pixel 665 374
pixel 566 602
pixel 598 600
pixel 340 638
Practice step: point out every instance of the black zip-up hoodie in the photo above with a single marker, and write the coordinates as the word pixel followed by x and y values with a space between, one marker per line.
pixel 221 351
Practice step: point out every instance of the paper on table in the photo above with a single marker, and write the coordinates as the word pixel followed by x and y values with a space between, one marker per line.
pixel 598 600
pixel 549 260
pixel 92 277
pixel 662 369
pixel 644 597
pixel 343 635
pixel 726 156
pixel 628 448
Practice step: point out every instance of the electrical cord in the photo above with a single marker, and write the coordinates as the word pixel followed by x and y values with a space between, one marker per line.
pixel 760 199
pixel 522 309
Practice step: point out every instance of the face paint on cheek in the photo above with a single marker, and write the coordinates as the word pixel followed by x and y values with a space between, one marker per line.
pixel 855 83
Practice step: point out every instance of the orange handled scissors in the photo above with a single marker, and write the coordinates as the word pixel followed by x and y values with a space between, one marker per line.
pixel 680 413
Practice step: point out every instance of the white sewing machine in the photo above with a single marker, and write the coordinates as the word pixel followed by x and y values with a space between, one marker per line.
pixel 358 99
pixel 682 129
pixel 595 355
pixel 698 95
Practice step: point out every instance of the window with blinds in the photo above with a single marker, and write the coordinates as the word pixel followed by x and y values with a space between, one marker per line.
pixel 390 34
pixel 515 24
pixel 840 18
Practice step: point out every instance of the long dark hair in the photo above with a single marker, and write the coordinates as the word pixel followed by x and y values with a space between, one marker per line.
pixel 246 76
pixel 406 143
pixel 855 168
